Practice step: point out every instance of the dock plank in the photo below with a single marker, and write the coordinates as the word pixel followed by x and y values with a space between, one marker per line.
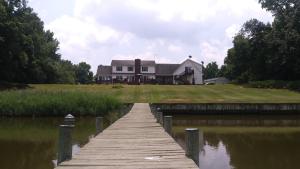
pixel 135 141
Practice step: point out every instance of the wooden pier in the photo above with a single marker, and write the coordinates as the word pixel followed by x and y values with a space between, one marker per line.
pixel 135 141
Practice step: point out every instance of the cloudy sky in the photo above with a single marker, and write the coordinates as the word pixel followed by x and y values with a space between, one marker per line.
pixel 97 31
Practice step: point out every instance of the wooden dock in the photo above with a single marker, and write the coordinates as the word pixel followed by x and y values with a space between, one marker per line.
pixel 135 141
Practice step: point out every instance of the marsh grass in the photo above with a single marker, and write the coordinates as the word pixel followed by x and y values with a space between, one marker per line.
pixel 55 103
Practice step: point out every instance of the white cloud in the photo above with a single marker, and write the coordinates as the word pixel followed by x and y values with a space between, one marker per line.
pixel 213 51
pixel 174 48
pixel 232 30
pixel 97 31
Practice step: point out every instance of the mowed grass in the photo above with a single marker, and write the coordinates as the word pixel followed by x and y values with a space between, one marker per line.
pixel 182 94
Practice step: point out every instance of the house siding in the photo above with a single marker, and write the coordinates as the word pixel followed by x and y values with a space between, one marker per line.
pixel 198 75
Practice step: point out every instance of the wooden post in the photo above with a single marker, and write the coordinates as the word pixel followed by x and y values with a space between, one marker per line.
pixel 160 117
pixel 156 113
pixel 99 125
pixel 168 122
pixel 65 143
pixel 69 120
pixel 192 144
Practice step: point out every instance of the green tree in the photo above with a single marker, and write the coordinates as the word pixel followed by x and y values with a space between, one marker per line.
pixel 267 52
pixel 211 70
pixel 28 53
pixel 83 73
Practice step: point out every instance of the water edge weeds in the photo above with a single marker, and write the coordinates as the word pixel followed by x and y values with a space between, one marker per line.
pixel 42 103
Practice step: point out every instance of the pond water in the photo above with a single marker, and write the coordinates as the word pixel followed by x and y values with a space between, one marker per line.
pixel 253 142
pixel 231 142
pixel 28 143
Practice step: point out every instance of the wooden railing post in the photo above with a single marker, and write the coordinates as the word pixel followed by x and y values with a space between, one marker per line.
pixel 168 122
pixel 192 144
pixel 99 125
pixel 65 143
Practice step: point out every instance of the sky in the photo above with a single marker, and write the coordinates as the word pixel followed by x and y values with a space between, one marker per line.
pixel 167 31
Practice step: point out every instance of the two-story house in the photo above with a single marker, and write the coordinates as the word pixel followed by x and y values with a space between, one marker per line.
pixel 133 71
pixel 147 71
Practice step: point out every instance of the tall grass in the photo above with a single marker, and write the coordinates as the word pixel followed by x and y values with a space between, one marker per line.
pixel 51 103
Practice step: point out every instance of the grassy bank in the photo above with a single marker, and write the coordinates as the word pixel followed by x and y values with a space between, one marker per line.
pixel 55 103
pixel 59 100
pixel 182 94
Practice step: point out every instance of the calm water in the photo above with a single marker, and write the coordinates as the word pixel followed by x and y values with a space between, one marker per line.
pixel 27 143
pixel 229 142
pixel 254 142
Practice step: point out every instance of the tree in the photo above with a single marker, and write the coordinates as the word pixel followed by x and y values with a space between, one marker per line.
pixel 285 37
pixel 267 52
pixel 83 73
pixel 211 70
pixel 28 53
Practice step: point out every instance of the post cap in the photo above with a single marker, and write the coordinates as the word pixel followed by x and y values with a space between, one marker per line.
pixel 67 126
pixel 191 129
pixel 69 116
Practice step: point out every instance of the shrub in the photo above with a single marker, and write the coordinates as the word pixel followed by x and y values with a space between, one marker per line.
pixel 273 84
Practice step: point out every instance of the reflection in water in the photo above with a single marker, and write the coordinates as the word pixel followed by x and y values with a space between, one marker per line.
pixel 25 155
pixel 249 120
pixel 245 147
pixel 214 157
pixel 32 143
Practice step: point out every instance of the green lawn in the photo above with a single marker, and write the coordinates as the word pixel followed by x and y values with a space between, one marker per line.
pixel 183 94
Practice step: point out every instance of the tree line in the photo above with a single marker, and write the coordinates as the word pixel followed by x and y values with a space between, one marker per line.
pixel 29 54
pixel 267 51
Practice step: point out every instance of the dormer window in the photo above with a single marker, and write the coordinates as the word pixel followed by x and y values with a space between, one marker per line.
pixel 130 69
pixel 144 69
pixel 119 68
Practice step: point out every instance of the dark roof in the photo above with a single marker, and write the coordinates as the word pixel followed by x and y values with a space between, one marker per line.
pixel 104 70
pixel 166 69
pixel 131 62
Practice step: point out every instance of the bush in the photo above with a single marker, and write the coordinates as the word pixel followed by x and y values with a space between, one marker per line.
pixel 12 86
pixel 276 84
pixel 28 103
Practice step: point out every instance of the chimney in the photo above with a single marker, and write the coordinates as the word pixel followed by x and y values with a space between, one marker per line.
pixel 138 65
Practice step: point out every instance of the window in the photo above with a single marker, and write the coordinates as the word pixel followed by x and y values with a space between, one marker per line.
pixel 130 69
pixel 119 68
pixel 188 69
pixel 144 69
pixel 119 77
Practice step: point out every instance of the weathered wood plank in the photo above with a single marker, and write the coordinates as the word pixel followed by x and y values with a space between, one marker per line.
pixel 134 141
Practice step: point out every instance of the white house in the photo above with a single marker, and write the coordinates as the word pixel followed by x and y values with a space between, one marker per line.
pixel 147 71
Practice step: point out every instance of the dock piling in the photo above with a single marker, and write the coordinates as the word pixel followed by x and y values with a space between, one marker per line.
pixel 156 114
pixel 69 120
pixel 159 117
pixel 99 125
pixel 192 144
pixel 65 143
pixel 168 122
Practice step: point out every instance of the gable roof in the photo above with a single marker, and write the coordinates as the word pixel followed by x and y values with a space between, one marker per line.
pixel 104 70
pixel 131 62
pixel 166 69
